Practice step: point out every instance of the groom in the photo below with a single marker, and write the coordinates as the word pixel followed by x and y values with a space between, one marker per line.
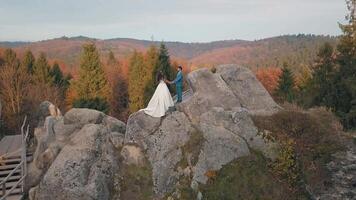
pixel 179 84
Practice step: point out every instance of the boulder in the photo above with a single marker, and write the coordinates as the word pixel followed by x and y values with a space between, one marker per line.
pixel 114 124
pixel 209 90
pixel 238 122
pixel 83 116
pixel 164 150
pixel 139 126
pixel 82 170
pixel 77 157
pixel 248 90
pixel 221 146
pixel 162 142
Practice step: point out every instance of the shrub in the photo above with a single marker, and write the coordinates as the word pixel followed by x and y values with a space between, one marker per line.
pixel 247 178
pixel 308 139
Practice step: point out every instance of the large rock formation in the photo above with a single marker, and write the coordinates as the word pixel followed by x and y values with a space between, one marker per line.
pixel 76 157
pixel 81 155
pixel 217 115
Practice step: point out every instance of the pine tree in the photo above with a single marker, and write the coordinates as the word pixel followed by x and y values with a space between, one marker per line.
pixel 92 82
pixel 151 63
pixel 41 70
pixel 285 88
pixel 29 61
pixel 345 80
pixel 59 80
pixel 136 86
pixel 321 85
pixel 164 65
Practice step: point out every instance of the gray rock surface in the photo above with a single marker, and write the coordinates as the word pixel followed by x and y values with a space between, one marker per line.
pixel 139 126
pixel 77 157
pixel 83 116
pixel 214 109
pixel 164 150
pixel 82 170
pixel 248 90
pixel 209 90
pixel 221 147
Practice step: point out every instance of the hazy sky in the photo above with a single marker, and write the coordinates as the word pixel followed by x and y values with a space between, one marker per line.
pixel 180 20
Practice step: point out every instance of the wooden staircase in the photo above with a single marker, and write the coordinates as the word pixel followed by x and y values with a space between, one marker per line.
pixel 10 165
pixel 13 165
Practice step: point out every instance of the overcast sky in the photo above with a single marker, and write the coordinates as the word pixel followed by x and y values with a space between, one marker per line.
pixel 168 20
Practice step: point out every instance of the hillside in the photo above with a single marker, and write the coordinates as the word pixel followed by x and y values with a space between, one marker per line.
pixel 296 49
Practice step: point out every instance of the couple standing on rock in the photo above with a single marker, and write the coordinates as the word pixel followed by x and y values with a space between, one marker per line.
pixel 162 100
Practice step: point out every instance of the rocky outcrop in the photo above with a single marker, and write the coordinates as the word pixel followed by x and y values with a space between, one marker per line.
pixel 248 90
pixel 76 156
pixel 80 155
pixel 216 116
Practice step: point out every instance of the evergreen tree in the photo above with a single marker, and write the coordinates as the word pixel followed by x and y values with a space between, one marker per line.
pixel 345 80
pixel 92 82
pixel 59 80
pixel 136 85
pixel 41 70
pixel 164 65
pixel 285 88
pixel 29 61
pixel 151 63
pixel 321 85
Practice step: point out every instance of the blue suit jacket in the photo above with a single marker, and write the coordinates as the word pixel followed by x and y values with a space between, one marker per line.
pixel 179 79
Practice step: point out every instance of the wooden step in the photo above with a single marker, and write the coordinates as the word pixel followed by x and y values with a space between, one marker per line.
pixel 14 197
pixel 13 193
pixel 6 172
pixel 14 160
pixel 7 167
pixel 12 178
pixel 9 185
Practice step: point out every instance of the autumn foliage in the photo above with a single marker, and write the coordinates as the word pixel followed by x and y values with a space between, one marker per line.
pixel 269 77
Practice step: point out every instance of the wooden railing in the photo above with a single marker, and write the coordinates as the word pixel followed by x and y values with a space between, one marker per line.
pixel 22 165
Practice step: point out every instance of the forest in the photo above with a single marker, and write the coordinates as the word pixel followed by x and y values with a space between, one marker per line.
pixel 305 70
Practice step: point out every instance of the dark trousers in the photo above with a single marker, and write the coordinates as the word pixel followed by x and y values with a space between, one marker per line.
pixel 179 93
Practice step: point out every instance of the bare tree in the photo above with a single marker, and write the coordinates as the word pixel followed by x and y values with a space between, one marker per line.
pixel 14 82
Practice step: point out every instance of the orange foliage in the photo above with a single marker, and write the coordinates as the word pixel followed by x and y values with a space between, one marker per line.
pixel 269 77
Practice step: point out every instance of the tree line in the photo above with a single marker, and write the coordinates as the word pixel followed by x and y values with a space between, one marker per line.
pixel 332 80
pixel 99 83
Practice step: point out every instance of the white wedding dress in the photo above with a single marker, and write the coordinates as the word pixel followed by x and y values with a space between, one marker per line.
pixel 160 101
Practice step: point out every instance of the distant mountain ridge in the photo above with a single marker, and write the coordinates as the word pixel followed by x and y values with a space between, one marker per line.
pixel 295 49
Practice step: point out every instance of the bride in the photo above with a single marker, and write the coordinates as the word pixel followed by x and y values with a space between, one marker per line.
pixel 161 99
